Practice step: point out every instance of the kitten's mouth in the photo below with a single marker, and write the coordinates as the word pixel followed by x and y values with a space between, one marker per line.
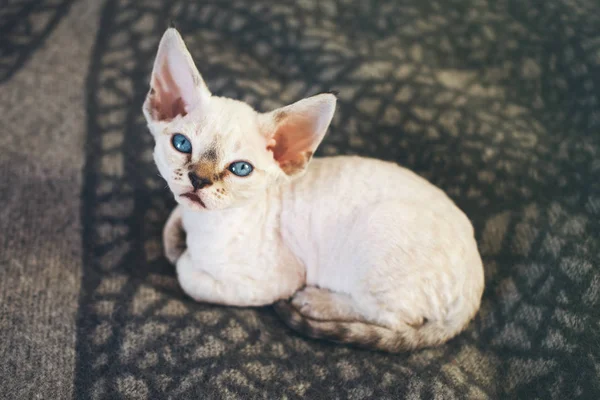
pixel 194 198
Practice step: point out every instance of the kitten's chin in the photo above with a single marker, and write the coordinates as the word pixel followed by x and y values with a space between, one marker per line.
pixel 192 200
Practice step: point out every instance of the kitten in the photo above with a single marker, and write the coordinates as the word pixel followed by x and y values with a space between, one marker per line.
pixel 369 253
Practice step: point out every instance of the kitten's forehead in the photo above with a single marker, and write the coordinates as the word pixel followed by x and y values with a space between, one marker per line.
pixel 225 125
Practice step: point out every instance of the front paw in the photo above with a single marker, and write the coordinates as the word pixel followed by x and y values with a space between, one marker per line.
pixel 174 245
pixel 173 253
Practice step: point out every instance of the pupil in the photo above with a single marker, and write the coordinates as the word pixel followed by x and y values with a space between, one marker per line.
pixel 241 168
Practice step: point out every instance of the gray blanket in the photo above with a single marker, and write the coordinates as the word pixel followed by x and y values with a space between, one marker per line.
pixel 497 102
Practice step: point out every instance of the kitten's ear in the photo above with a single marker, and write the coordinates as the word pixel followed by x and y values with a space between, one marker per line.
pixel 294 132
pixel 176 87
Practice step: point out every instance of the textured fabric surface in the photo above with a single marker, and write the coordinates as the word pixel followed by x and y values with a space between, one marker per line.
pixel 42 133
pixel 494 101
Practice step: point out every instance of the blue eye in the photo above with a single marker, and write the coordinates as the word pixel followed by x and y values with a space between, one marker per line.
pixel 241 168
pixel 181 143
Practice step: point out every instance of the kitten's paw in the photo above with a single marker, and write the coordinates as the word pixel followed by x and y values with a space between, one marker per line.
pixel 174 236
pixel 174 244
pixel 314 303
pixel 174 252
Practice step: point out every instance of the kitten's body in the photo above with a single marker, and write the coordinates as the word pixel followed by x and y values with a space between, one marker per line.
pixel 395 246
pixel 370 253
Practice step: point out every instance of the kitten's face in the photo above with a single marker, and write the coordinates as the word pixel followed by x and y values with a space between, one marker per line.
pixel 217 153
pixel 215 157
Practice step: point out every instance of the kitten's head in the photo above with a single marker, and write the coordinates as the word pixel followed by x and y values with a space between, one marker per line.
pixel 215 152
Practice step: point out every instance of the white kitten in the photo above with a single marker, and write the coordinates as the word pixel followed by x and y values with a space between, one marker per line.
pixel 369 252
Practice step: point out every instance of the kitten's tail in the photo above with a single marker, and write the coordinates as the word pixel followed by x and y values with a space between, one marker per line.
pixel 364 334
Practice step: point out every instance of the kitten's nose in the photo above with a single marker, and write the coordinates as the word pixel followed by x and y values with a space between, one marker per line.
pixel 198 182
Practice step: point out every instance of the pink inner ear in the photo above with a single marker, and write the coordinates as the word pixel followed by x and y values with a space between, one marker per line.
pixel 292 139
pixel 294 132
pixel 292 144
pixel 166 99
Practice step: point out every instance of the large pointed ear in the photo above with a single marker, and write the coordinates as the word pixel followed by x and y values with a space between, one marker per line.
pixel 294 132
pixel 176 87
